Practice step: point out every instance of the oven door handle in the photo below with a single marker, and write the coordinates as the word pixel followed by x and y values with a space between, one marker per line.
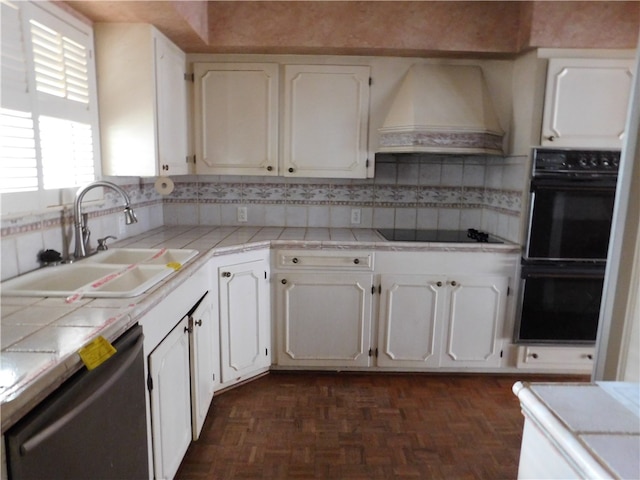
pixel 562 271
pixel 573 184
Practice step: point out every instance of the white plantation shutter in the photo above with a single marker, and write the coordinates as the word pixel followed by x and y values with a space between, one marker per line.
pixel 61 65
pixel 48 115
pixel 67 153
pixel 18 164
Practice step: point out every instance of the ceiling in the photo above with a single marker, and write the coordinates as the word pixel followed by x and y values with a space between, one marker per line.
pixel 417 28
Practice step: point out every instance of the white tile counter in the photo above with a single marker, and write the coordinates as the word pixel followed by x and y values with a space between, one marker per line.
pixel 41 336
pixel 589 431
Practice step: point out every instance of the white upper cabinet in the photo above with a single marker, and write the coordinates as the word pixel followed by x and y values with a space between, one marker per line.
pixel 236 118
pixel 326 112
pixel 586 102
pixel 142 95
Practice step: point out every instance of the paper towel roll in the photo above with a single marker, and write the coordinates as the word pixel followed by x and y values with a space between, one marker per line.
pixel 164 185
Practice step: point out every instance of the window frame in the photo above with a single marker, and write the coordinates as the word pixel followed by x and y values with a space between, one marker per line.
pixel 48 13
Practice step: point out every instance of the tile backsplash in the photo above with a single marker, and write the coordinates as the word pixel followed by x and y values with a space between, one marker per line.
pixel 414 192
pixel 407 192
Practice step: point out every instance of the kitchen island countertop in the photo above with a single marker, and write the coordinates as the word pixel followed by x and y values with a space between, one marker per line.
pixel 41 336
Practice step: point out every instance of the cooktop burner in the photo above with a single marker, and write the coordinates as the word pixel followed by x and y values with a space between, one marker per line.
pixel 448 236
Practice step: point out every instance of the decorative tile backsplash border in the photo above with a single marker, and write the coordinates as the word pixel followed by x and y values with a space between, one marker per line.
pixel 354 195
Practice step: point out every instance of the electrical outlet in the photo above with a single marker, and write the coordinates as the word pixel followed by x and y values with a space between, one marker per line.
pixel 355 216
pixel 242 214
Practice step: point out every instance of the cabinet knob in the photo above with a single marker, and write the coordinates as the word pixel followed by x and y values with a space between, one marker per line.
pixel 269 168
pixel 226 274
pixel 295 260
pixel 290 169
pixel 356 261
pixel 198 323
pixel 165 167
pixel 187 329
pixel 589 356
pixel 533 355
pixel 551 138
pixel 438 284
pixel 283 281
pixel 453 283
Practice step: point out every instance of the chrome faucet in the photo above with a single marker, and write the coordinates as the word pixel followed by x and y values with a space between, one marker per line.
pixel 82 233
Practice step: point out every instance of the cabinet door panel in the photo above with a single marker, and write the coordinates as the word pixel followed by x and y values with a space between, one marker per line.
pixel 324 319
pixel 325 121
pixel 205 360
pixel 170 401
pixel 410 330
pixel 237 118
pixel 475 314
pixel 244 325
pixel 171 101
pixel 586 102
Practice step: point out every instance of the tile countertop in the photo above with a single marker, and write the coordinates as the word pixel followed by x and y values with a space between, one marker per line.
pixel 596 424
pixel 40 337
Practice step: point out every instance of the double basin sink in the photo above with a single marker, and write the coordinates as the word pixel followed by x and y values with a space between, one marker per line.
pixel 114 273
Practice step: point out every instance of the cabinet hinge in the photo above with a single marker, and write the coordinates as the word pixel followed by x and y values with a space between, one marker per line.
pixel 189 77
pixel 265 275
pixel 214 377
pixel 266 352
pixel 149 382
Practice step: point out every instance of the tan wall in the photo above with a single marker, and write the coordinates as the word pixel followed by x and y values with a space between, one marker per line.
pixel 393 28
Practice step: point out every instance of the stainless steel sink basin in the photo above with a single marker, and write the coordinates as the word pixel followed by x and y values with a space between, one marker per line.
pixel 116 273
pixel 147 256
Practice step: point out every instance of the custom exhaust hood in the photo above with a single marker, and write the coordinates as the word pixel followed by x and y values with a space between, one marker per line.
pixel 442 109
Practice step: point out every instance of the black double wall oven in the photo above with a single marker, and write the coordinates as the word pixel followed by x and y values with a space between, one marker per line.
pixel 562 270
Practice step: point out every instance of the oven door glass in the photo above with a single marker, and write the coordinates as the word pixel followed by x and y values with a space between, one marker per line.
pixel 570 221
pixel 560 307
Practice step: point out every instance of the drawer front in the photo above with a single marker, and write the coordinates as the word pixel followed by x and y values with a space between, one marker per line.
pixel 352 260
pixel 557 358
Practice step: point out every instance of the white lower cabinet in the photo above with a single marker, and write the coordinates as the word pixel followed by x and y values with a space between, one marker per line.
pixel 435 321
pixel 324 319
pixel 574 359
pixel 338 310
pixel 410 323
pixel 180 343
pixel 204 356
pixel 170 400
pixel 475 313
pixel 245 320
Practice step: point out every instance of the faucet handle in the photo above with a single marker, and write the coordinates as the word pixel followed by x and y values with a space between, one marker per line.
pixel 102 242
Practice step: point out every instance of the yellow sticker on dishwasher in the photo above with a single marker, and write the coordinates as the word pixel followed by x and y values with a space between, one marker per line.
pixel 96 352
pixel 174 265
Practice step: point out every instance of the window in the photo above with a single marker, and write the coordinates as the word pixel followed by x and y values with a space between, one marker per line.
pixel 48 113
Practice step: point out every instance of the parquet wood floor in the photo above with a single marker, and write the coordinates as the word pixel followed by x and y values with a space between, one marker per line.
pixel 362 426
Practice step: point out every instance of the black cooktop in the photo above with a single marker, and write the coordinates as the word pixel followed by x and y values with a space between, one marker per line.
pixel 447 236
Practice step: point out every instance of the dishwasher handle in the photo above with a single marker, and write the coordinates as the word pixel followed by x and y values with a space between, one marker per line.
pixel 119 365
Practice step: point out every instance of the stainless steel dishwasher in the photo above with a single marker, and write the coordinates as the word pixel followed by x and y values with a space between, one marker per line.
pixel 93 426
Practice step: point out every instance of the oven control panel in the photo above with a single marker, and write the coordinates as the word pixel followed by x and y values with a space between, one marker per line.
pixel 575 162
